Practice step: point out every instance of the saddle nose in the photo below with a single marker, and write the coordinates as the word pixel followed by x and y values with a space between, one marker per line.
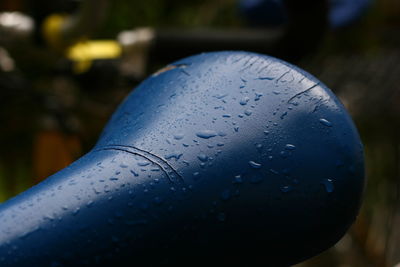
pixel 226 157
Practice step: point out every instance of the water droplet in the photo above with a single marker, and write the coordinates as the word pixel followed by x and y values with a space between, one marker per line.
pixel 202 157
pixel 244 101
pixel 258 96
pixel 266 78
pixel 131 194
pixel 76 211
pixel 290 147
pixel 328 184
pixel 227 115
pixel 196 175
pixel 255 165
pixel 143 163
pixel 238 179
pixel 325 122
pixel 266 132
pixel 134 173
pixel 123 165
pixel 175 155
pixel 113 179
pixel 274 171
pixel 205 134
pixel 220 96
pixel 259 147
pixel 286 188
pixel 178 136
pixel 248 112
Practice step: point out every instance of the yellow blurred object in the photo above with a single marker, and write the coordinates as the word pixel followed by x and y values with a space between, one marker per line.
pixel 51 30
pixel 83 53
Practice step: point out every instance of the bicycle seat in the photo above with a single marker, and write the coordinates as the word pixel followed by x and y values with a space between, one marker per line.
pixel 220 158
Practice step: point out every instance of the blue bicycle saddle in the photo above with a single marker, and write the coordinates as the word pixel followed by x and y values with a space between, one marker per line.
pixel 229 158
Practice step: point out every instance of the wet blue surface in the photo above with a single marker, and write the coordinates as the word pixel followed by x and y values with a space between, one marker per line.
pixel 231 159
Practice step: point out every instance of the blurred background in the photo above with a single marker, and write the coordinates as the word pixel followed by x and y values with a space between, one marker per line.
pixel 66 64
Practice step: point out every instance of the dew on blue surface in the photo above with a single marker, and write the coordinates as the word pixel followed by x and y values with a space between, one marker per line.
pixel 76 211
pixel 328 184
pixel 238 179
pixel 143 163
pixel 131 194
pixel 255 165
pixel 265 78
pixel 178 136
pixel 286 188
pixel 248 112
pixel 205 134
pixel 290 147
pixel 259 146
pixel 175 155
pixel 220 96
pixel 244 101
pixel 325 122
pixel 202 157
pixel 274 171
pixel 89 203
